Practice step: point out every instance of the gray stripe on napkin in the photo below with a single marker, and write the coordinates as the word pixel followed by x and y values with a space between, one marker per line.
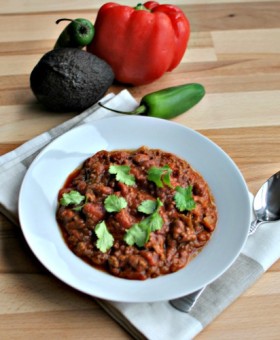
pixel 28 160
pixel 222 292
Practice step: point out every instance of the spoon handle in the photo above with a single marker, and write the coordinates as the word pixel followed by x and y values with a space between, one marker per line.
pixel 254 226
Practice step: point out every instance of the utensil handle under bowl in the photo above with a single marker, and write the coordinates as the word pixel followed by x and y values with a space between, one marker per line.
pixel 185 304
pixel 254 226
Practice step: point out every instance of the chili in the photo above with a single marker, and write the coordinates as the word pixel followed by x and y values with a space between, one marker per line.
pixel 78 33
pixel 167 103
pixel 170 247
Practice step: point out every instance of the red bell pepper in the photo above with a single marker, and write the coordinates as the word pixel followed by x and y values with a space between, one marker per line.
pixel 140 43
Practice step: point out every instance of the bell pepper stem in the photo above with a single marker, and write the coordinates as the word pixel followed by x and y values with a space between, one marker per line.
pixel 141 7
pixel 138 111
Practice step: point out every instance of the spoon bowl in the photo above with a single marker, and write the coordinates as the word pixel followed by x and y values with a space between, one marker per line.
pixel 267 202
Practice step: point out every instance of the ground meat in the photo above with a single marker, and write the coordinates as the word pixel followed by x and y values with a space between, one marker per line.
pixel 181 237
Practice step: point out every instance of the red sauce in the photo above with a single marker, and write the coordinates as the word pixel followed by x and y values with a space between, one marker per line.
pixel 181 237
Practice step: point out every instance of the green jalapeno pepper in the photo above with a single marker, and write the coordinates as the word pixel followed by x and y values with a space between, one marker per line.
pixel 168 103
pixel 78 33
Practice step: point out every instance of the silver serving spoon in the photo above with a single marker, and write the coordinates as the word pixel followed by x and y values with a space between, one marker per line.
pixel 267 203
pixel 266 208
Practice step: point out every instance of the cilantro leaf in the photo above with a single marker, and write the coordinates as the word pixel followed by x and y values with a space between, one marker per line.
pixel 114 203
pixel 136 235
pixel 184 198
pixel 147 207
pixel 122 174
pixel 72 197
pixel 105 240
pixel 154 221
pixel 160 176
pixel 139 233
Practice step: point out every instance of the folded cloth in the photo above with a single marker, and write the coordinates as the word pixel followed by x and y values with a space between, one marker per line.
pixel 158 320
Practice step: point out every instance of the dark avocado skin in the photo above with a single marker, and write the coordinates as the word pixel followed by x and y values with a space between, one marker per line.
pixel 69 79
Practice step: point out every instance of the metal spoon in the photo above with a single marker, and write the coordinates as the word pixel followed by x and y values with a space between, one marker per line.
pixel 267 209
pixel 267 203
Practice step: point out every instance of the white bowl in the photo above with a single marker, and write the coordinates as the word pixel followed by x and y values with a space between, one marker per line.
pixel 48 172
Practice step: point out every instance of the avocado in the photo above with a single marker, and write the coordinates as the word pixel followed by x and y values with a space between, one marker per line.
pixel 70 79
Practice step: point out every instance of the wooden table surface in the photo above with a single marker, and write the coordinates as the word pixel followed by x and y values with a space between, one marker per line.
pixel 234 51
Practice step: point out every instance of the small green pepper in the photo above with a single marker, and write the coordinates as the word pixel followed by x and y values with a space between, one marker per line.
pixel 78 33
pixel 168 103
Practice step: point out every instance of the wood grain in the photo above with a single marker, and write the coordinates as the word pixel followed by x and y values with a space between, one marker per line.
pixel 234 52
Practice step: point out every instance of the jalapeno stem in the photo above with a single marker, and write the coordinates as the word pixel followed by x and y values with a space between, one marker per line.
pixel 82 28
pixel 65 19
pixel 138 111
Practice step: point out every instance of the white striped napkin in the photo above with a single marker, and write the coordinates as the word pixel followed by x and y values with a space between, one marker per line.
pixel 144 320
